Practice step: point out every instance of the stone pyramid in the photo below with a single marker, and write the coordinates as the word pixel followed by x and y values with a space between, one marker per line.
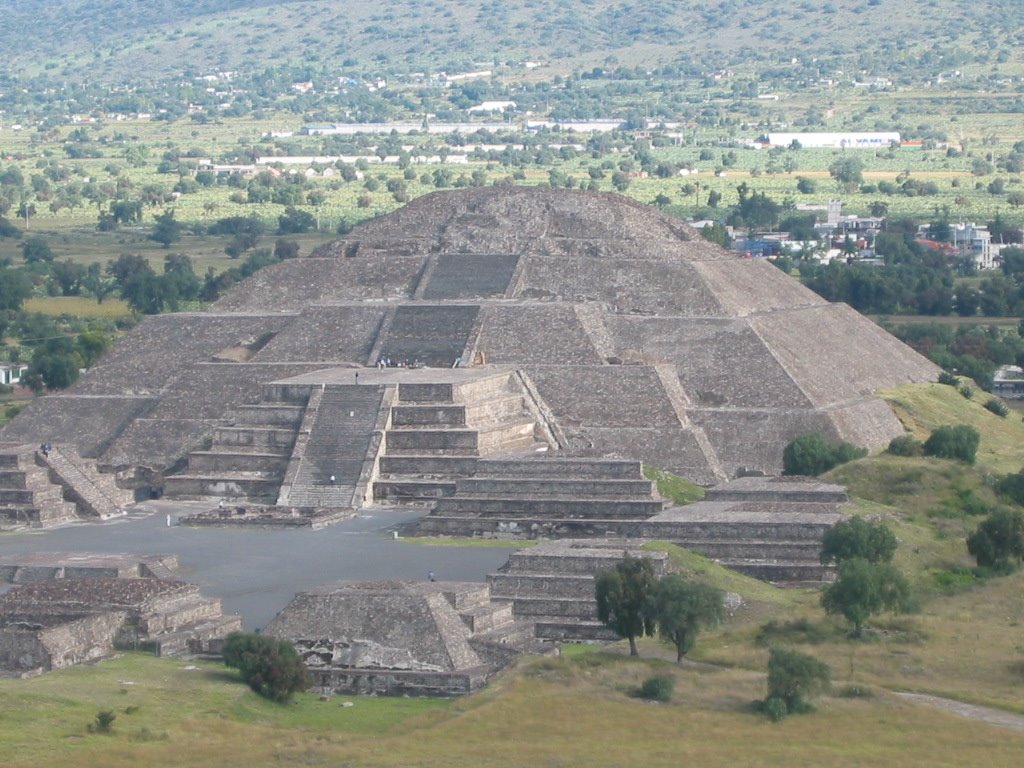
pixel 634 336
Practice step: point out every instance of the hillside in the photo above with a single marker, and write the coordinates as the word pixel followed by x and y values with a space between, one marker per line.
pixel 111 38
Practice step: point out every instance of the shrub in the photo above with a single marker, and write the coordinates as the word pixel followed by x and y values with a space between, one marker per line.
pixel 945 377
pixel 948 442
pixel 657 688
pixel 270 666
pixel 905 445
pixel 812 455
pixel 856 537
pixel 998 407
pixel 793 677
pixel 103 723
pixel 1012 487
pixel 966 390
pixel 998 542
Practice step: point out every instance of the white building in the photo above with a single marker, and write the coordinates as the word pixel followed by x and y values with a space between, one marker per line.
pixel 845 140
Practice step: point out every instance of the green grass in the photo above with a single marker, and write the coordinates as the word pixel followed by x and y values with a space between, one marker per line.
pixel 676 489
pixel 577 710
pixel 923 407
pixel 80 306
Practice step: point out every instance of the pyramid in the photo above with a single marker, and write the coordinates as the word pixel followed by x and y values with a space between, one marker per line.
pixel 634 337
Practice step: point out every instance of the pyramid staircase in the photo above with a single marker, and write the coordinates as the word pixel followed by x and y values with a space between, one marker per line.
pixel 438 432
pixel 39 490
pixel 29 498
pixel 248 455
pixel 547 496
pixel 495 633
pixel 552 585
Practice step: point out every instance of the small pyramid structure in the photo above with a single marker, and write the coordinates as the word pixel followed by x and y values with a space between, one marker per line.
pixel 629 335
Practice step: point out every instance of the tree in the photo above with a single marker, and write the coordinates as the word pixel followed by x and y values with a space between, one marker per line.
pixel 622 595
pixel 794 677
pixel 681 608
pixel 286 249
pixel 35 250
pixel 15 287
pixel 848 171
pixel 620 181
pixel 953 442
pixel 167 229
pixel 270 666
pixel 294 221
pixel 864 589
pixel 998 541
pixel 812 454
pixel 856 537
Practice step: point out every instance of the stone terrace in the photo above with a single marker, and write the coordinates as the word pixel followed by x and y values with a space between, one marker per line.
pixel 767 527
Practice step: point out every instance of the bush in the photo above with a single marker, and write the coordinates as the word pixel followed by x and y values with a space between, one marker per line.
pixel 855 537
pixel 657 688
pixel 1012 487
pixel 948 378
pixel 104 722
pixel 997 407
pixel 905 445
pixel 948 442
pixel 966 390
pixel 270 666
pixel 812 455
pixel 998 542
pixel 793 677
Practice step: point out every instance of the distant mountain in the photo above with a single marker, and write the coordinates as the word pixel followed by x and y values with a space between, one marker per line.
pixel 115 39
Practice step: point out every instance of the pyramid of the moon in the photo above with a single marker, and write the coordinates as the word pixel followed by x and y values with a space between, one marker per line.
pixel 629 334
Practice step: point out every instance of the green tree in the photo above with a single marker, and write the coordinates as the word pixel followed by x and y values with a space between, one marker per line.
pixel 953 442
pixel 36 250
pixel 812 454
pixel 793 678
pixel 294 221
pixel 856 537
pixel 167 230
pixel 864 589
pixel 622 594
pixel 270 666
pixel 848 171
pixel 681 608
pixel 998 541
pixel 15 287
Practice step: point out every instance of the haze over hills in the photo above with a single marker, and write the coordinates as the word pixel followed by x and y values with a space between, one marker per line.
pixel 114 39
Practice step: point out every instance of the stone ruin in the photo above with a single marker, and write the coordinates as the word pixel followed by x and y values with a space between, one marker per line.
pixel 583 323
pixel 402 638
pixel 68 609
pixel 506 356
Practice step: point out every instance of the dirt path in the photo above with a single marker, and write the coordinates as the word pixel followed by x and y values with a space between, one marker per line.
pixel 970 711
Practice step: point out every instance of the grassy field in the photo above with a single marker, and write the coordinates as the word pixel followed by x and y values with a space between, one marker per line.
pixel 579 710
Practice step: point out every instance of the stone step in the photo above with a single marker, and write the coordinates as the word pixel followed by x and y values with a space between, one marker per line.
pixel 523 563
pixel 258 439
pixel 526 527
pixel 517 634
pixel 267 415
pixel 291 394
pixel 740 530
pixel 427 465
pixel 739 549
pixel 780 571
pixel 412 489
pixel 509 436
pixel 512 586
pixel 499 409
pixel 21 496
pixel 560 629
pixel 487 618
pixel 513 507
pixel 557 467
pixel 425 393
pixel 12 478
pixel 212 462
pixel 564 607
pixel 195 638
pixel 483 486
pixel 431 415
pixel 249 485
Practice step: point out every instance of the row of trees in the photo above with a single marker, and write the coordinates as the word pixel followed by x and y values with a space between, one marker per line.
pixel 633 603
